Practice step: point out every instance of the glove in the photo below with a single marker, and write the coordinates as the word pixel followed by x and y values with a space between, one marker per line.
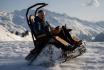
pixel 57 28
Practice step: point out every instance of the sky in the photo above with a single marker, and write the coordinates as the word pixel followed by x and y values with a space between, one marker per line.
pixel 92 10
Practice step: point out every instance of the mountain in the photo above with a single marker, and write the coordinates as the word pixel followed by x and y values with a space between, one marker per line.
pixel 5 35
pixel 100 37
pixel 10 31
pixel 15 22
pixel 84 29
pixel 6 21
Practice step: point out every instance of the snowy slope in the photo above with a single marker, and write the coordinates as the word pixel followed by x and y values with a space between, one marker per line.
pixel 6 21
pixel 83 29
pixel 12 58
pixel 5 35
pixel 15 22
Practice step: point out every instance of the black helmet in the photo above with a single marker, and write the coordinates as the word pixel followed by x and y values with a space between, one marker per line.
pixel 40 11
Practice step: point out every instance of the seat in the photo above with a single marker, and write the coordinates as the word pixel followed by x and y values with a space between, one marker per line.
pixel 32 19
pixel 36 38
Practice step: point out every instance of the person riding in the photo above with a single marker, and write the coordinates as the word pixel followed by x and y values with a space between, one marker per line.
pixel 44 32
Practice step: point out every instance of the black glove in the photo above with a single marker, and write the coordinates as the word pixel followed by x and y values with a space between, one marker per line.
pixel 57 27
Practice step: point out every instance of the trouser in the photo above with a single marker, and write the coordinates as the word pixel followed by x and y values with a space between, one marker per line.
pixel 41 43
pixel 64 33
pixel 44 41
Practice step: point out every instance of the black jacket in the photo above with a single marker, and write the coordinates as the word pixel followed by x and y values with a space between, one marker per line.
pixel 40 27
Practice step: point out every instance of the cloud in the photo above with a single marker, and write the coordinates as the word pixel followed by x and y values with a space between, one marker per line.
pixel 95 3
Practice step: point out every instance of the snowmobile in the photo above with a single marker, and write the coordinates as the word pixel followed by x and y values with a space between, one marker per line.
pixel 63 57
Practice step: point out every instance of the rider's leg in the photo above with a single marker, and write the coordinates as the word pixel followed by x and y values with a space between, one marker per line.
pixel 59 44
pixel 37 50
pixel 67 34
pixel 73 42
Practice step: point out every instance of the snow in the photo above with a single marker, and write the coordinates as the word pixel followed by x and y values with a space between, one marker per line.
pixel 6 20
pixel 80 27
pixel 12 56
pixel 5 35
pixel 16 22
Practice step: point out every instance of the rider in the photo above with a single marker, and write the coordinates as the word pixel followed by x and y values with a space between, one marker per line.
pixel 42 30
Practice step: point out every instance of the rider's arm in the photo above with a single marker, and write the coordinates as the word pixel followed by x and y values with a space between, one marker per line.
pixel 50 27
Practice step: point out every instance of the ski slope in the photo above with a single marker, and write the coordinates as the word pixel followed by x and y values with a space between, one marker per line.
pixel 5 35
pixel 12 55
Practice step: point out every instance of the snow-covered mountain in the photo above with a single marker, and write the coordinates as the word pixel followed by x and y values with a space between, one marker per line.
pixel 6 21
pixel 84 29
pixel 10 31
pixel 15 22
pixel 5 35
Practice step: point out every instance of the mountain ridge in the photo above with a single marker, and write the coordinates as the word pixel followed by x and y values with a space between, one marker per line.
pixel 82 28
